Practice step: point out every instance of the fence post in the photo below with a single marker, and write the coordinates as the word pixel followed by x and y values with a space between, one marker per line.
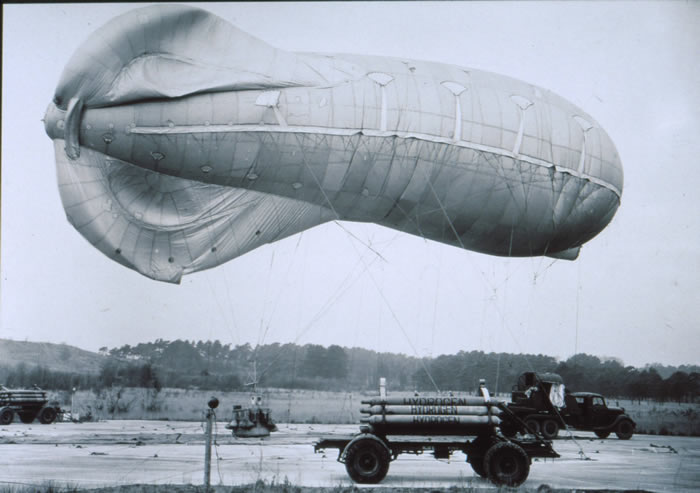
pixel 213 403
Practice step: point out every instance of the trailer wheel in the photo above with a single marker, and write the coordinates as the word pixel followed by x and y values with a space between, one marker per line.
pixel 602 433
pixel 6 416
pixel 507 464
pixel 532 424
pixel 478 466
pixel 47 415
pixel 624 429
pixel 27 417
pixel 550 429
pixel 367 461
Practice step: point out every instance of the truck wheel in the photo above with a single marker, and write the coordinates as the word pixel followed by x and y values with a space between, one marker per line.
pixel 27 416
pixel 550 429
pixel 47 415
pixel 532 424
pixel 624 429
pixel 367 461
pixel 478 465
pixel 507 464
pixel 6 416
pixel 602 433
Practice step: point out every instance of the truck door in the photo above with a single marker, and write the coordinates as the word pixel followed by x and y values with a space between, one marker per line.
pixel 599 412
pixel 586 418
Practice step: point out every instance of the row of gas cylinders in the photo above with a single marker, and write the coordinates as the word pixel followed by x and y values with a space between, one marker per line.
pixel 448 414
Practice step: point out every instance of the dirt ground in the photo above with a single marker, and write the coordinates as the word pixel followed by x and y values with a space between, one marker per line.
pixel 160 452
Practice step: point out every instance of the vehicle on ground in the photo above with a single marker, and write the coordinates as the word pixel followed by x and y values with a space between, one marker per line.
pixel 254 421
pixel 542 403
pixel 28 404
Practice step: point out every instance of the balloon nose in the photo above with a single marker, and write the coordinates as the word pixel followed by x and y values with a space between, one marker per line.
pixel 54 122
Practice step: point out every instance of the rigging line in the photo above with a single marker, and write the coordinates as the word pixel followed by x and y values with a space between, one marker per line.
pixel 216 448
pixel 326 306
pixel 459 239
pixel 398 322
pixel 529 364
pixel 216 299
pixel 498 166
pixel 452 227
pixel 275 305
pixel 233 331
pixel 498 310
pixel 261 328
pixel 544 271
pixel 435 304
pixel 504 322
pixel 578 291
pixel 368 246
pixel 330 204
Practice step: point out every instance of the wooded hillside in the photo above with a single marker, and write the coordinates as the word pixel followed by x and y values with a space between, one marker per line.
pixel 212 365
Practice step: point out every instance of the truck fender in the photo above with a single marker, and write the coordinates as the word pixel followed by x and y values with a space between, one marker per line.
pixel 365 436
pixel 613 425
pixel 622 417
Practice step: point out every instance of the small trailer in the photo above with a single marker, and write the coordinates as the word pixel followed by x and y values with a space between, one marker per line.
pixel 28 404
pixel 441 425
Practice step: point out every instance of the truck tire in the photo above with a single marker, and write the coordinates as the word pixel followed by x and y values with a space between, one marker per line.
pixel 367 461
pixel 6 416
pixel 47 415
pixel 550 429
pixel 532 424
pixel 27 417
pixel 624 429
pixel 507 464
pixel 602 433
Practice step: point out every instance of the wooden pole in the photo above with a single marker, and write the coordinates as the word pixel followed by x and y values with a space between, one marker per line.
pixel 207 451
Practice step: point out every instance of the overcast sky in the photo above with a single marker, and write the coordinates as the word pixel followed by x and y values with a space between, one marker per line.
pixel 634 292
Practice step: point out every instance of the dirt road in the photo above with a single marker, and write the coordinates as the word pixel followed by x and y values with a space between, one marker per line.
pixel 161 452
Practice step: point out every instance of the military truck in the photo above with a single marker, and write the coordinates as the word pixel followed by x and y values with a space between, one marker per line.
pixel 542 403
pixel 28 404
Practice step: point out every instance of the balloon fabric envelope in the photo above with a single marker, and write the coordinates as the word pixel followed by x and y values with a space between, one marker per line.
pixel 182 142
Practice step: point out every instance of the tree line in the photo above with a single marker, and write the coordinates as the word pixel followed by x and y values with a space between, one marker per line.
pixel 211 365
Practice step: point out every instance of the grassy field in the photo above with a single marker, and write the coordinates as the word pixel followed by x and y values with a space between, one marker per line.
pixel 288 406
pixel 307 406
pixel 662 418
